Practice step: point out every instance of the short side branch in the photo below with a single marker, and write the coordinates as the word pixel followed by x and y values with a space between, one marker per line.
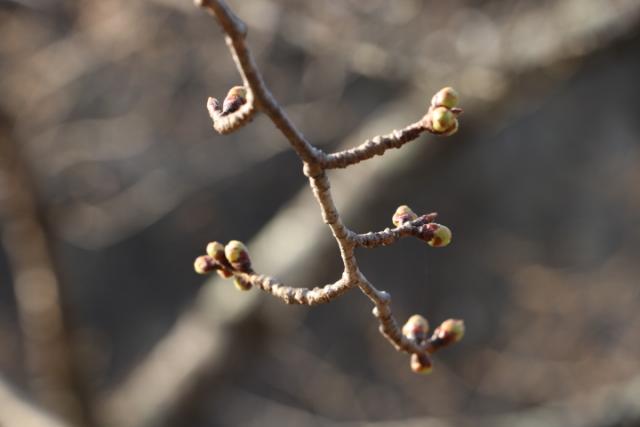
pixel 388 236
pixel 293 295
pixel 375 146
pixel 225 124
pixel 236 32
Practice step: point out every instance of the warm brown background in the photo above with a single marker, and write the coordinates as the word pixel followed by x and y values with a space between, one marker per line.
pixel 103 103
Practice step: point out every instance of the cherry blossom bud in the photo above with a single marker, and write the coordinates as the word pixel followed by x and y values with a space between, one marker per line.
pixel 453 130
pixel 416 328
pixel 236 97
pixel 438 235
pixel 224 273
pixel 421 363
pixel 204 264
pixel 443 120
pixel 403 214
pixel 451 330
pixel 216 250
pixel 241 284
pixel 445 97
pixel 238 256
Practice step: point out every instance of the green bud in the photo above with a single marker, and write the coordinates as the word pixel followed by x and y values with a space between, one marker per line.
pixel 215 250
pixel 445 97
pixel 441 235
pixel 453 130
pixel 241 284
pixel 416 328
pixel 421 363
pixel 237 255
pixel 442 120
pixel 204 264
pixel 450 330
pixel 403 214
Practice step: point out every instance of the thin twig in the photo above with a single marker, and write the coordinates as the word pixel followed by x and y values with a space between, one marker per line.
pixel 375 146
pixel 297 295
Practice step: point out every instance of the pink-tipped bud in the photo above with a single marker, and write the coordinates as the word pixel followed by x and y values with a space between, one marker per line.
pixel 437 235
pixel 241 284
pixel 443 121
pixel 238 256
pixel 421 363
pixel 446 97
pixel 403 214
pixel 236 97
pixel 204 264
pixel 450 331
pixel 416 328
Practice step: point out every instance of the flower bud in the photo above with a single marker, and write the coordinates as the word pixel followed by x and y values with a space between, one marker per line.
pixel 421 363
pixel 403 214
pixel 450 331
pixel 237 255
pixel 224 273
pixel 440 235
pixel 445 97
pixel 241 284
pixel 216 250
pixel 443 120
pixel 416 328
pixel 453 130
pixel 236 97
pixel 204 264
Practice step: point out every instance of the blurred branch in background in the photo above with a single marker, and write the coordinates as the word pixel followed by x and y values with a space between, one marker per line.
pixel 18 411
pixel 53 371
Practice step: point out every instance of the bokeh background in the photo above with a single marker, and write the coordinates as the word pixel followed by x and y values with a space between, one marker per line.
pixel 112 181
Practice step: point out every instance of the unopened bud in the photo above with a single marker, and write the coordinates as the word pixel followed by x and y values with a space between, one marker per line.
pixel 453 130
pixel 224 273
pixel 416 328
pixel 204 264
pixel 442 120
pixel 403 214
pixel 445 97
pixel 438 235
pixel 450 331
pixel 421 363
pixel 237 255
pixel 236 97
pixel 215 250
pixel 241 284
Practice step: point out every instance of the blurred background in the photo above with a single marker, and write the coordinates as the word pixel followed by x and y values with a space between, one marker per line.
pixel 112 182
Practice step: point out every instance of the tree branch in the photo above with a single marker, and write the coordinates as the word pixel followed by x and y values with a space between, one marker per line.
pixel 293 295
pixel 440 118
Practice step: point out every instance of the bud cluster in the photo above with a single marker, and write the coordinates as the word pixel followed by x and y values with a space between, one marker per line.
pixel 225 260
pixel 442 117
pixel 416 329
pixel 436 235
